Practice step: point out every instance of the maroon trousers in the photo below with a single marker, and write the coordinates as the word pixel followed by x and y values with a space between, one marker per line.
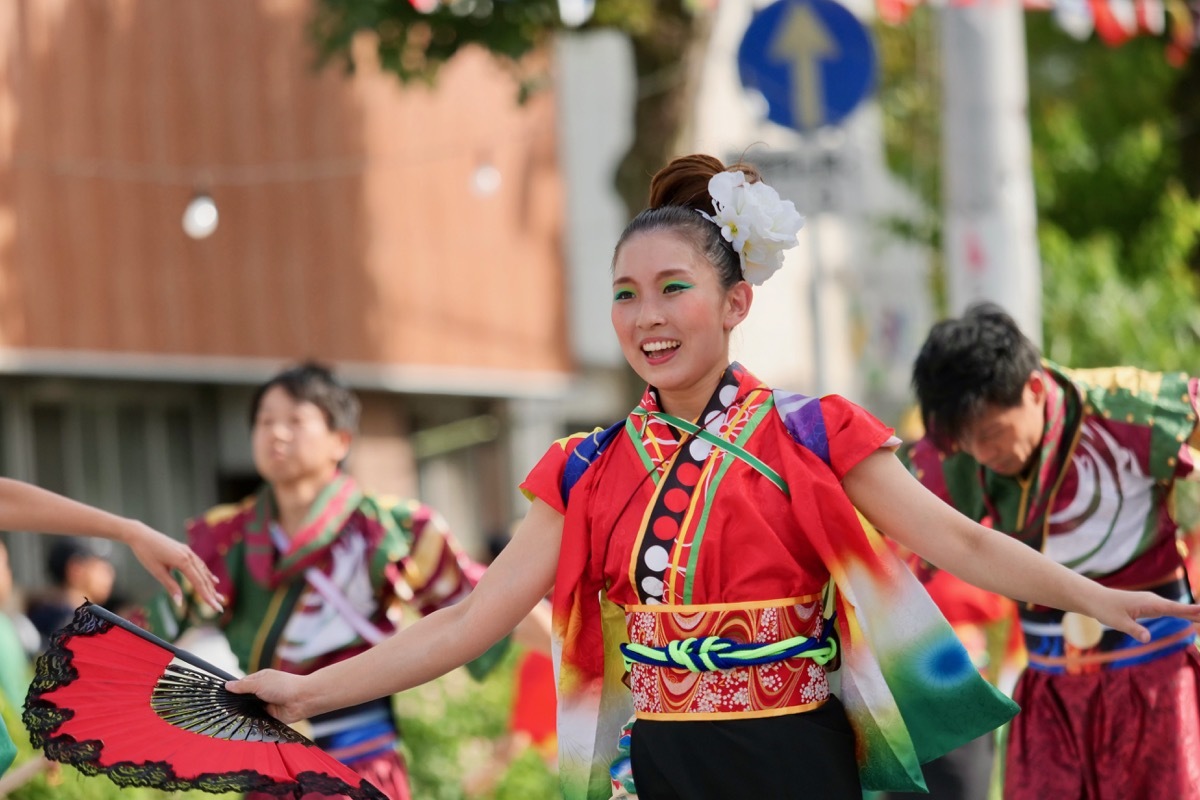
pixel 1121 734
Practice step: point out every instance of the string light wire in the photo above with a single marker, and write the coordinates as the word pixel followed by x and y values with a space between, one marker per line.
pixel 229 175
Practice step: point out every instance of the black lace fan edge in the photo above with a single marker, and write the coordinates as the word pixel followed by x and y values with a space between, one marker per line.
pixel 43 718
pixel 84 756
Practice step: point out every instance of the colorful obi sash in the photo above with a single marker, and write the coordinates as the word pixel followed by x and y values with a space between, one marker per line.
pixel 728 661
pixel 357 733
pixel 1070 644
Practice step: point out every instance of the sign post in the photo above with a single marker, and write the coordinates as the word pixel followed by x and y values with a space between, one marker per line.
pixel 813 62
pixel 990 214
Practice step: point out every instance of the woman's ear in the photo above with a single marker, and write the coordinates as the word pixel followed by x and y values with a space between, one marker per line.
pixel 737 304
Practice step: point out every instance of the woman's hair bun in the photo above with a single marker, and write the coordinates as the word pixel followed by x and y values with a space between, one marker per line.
pixel 684 181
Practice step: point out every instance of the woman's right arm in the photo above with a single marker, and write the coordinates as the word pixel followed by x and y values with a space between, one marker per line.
pixel 519 577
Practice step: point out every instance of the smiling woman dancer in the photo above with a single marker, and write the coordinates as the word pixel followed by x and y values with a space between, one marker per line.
pixel 712 578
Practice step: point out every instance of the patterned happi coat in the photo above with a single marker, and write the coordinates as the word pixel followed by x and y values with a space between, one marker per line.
pixel 1099 498
pixel 667 536
pixel 376 552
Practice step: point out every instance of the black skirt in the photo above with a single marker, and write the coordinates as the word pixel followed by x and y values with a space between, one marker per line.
pixel 808 755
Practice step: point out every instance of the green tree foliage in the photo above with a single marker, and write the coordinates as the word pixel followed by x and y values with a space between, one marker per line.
pixel 1117 227
pixel 451 727
pixel 664 34
pixel 415 45
pixel 909 93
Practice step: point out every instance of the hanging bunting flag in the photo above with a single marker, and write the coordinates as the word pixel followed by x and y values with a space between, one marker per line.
pixel 1116 21
pixel 895 12
pixel 1182 32
pixel 1151 16
pixel 1112 21
pixel 1075 17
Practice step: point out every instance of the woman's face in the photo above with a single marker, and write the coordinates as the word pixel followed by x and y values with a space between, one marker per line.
pixel 671 314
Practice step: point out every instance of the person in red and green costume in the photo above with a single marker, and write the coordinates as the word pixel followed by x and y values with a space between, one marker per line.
pixel 1080 465
pixel 311 565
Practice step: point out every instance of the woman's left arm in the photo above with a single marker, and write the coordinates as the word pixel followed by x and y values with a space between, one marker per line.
pixel 896 503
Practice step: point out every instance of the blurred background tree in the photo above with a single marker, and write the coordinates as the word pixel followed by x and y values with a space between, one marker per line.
pixel 450 728
pixel 1118 218
pixel 664 36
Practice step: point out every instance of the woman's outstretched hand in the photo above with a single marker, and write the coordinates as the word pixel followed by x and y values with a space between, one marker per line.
pixel 160 554
pixel 281 691
pixel 1121 611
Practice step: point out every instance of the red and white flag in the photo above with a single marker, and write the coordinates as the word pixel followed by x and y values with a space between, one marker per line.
pixel 1151 16
pixel 1116 20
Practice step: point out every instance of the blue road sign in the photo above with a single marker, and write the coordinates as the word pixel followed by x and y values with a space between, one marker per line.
pixel 811 59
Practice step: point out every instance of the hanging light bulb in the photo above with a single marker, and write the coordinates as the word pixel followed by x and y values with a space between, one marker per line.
pixel 486 179
pixel 200 217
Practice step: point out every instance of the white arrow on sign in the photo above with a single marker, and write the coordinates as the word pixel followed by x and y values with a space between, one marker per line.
pixel 803 41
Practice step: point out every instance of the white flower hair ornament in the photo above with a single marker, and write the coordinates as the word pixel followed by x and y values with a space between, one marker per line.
pixel 755 220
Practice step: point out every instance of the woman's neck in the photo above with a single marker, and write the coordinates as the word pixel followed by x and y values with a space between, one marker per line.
pixel 689 403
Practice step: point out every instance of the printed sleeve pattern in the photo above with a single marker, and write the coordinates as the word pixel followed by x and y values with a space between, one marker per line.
pixel 544 481
pixel 1189 450
pixel 853 433
pixel 437 572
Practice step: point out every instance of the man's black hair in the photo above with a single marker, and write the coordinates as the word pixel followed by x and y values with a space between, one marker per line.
pixel 978 360
pixel 314 383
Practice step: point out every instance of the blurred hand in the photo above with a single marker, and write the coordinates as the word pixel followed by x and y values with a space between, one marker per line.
pixel 1122 610
pixel 281 691
pixel 160 554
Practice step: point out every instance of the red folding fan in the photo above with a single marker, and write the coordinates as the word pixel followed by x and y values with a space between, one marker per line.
pixel 110 698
